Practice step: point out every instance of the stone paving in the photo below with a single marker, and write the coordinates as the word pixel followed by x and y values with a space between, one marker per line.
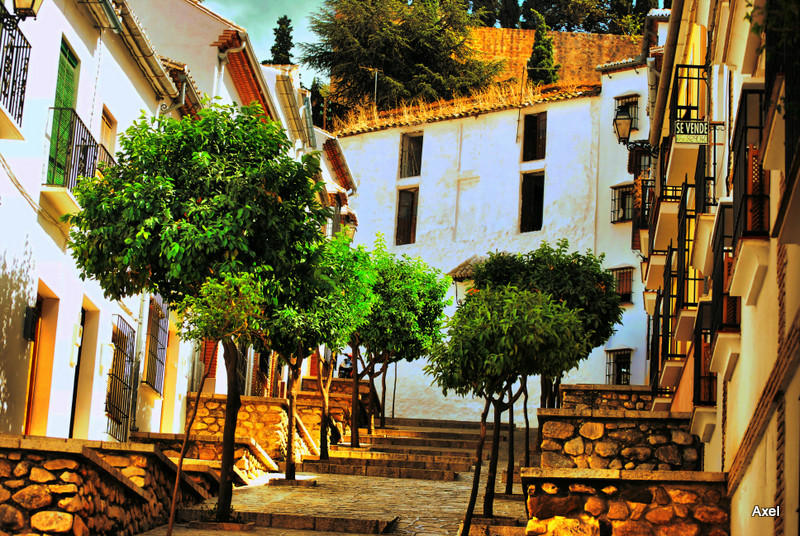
pixel 425 508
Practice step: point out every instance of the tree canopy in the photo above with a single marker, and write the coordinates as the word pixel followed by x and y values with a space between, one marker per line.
pixel 282 49
pixel 419 50
pixel 596 16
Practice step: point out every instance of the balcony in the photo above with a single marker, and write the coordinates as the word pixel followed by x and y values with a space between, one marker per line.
pixel 644 195
pixel 705 382
pixel 725 309
pixel 664 220
pixel 689 283
pixel 671 361
pixel 688 122
pixel 15 52
pixel 73 154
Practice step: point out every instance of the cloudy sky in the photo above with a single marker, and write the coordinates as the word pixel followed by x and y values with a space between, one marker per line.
pixel 259 17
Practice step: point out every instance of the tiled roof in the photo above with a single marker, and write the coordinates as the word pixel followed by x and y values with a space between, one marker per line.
pixel 627 62
pixel 577 53
pixel 243 73
pixel 192 104
pixel 495 100
pixel 464 271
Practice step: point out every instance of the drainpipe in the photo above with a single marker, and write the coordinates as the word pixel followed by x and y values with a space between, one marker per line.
pixel 223 61
pixel 666 72
pixel 164 110
pixel 137 362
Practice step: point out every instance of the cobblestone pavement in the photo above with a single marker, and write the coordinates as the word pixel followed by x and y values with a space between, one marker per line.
pixel 425 508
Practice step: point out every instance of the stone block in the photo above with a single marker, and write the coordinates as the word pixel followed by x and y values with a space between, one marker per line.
pixel 574 447
pixel 553 459
pixel 558 430
pixel 679 529
pixel 632 528
pixel 710 515
pixel 570 527
pixel 657 439
pixel 4 494
pixel 41 476
pixel 598 462
pixel 545 506
pixel 117 461
pixel 690 455
pixel 639 454
pixel 549 488
pixel 58 522
pixel 5 468
pixel 11 518
pixel 592 430
pixel 535 527
pixel 595 506
pixel 549 444
pixel 681 510
pixel 581 488
pixel 680 437
pixel 33 497
pixel 660 515
pixel 670 454
pixel 71 504
pixel 681 496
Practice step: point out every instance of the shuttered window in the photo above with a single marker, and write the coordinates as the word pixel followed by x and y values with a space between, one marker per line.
pixel 406 217
pixel 66 91
pixel 534 141
pixel 532 202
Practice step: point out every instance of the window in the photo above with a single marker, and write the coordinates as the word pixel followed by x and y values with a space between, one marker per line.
pixel 618 367
pixel 335 221
pixel 120 378
pixel 534 140
pixel 411 155
pixel 406 217
pixel 639 162
pixel 623 282
pixel 631 105
pixel 622 203
pixel 157 338
pixel 532 203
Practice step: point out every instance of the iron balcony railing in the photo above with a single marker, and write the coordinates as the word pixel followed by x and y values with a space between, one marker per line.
pixel 705 185
pixel 666 194
pixel 725 309
pixel 15 52
pixel 105 156
pixel 644 195
pixel 654 342
pixel 669 312
pixel 687 102
pixel 73 150
pixel 705 382
pixel 120 379
pixel 689 283
pixel 750 184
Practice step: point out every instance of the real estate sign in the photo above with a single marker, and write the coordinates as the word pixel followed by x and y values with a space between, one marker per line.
pixel 691 131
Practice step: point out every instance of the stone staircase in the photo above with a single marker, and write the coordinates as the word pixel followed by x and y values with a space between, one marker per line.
pixel 406 448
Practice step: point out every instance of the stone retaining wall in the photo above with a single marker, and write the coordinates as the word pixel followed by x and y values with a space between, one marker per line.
pixel 264 419
pixel 598 439
pixel 611 397
pixel 338 385
pixel 626 503
pixel 50 486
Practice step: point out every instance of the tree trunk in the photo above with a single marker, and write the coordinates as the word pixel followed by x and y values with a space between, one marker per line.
pixel 383 391
pixel 294 371
pixel 547 389
pixel 232 406
pixel 554 394
pixel 354 399
pixel 491 476
pixel 473 495
pixel 510 465
pixel 184 447
pixel 527 425
pixel 324 389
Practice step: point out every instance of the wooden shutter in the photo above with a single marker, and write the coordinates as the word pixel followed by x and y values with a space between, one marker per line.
pixel 541 135
pixel 66 90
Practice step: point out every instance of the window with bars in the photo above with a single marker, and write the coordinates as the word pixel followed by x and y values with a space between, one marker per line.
pixel 631 105
pixel 622 203
pixel 618 367
pixel 157 339
pixel 623 282
pixel 334 224
pixel 406 216
pixel 534 139
pixel 120 379
pixel 411 155
pixel 639 162
pixel 532 203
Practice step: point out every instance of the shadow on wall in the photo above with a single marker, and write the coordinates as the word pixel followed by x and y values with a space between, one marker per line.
pixel 17 291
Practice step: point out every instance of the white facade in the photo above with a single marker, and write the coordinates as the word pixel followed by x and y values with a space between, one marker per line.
pixel 469 203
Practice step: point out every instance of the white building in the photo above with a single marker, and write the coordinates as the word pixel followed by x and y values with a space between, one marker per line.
pixel 453 181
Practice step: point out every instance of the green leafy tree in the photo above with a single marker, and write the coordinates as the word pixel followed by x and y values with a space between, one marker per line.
pixel 541 67
pixel 416 50
pixel 495 337
pixel 595 16
pixel 404 323
pixel 486 10
pixel 282 49
pixel 509 14
pixel 578 280
pixel 193 208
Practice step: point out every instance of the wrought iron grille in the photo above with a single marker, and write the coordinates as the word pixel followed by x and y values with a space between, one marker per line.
pixel 705 185
pixel 689 282
pixel 750 183
pixel 623 281
pixel 15 52
pixel 618 367
pixel 689 88
pixel 705 382
pixel 120 379
pixel 644 195
pixel 622 203
pixel 725 309
pixel 73 150
pixel 669 312
pixel 157 339
pixel 655 341
pixel 105 156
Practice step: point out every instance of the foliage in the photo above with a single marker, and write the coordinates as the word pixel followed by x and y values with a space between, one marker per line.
pixel 541 68
pixel 407 318
pixel 486 10
pixel 189 200
pixel 500 334
pixel 282 49
pixel 596 16
pixel 578 280
pixel 419 51
pixel 509 14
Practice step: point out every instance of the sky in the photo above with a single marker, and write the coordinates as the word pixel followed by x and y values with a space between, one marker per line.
pixel 259 17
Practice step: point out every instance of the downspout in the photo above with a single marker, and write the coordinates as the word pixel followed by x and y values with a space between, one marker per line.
pixel 223 61
pixel 666 72
pixel 185 81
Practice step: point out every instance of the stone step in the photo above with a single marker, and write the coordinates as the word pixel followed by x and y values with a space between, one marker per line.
pixel 389 472
pixel 439 424
pixel 427 433
pixel 194 465
pixel 374 455
pixel 425 451
pixel 410 463
pixel 452 444
pixel 301 522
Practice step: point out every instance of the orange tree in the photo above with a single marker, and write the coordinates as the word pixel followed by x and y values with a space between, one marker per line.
pixel 210 202
pixel 495 337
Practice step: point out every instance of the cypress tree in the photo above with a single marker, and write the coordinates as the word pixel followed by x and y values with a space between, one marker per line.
pixel 509 14
pixel 541 69
pixel 281 50
pixel 486 10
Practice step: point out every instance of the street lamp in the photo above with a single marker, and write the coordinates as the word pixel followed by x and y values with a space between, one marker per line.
pixel 622 128
pixel 22 10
